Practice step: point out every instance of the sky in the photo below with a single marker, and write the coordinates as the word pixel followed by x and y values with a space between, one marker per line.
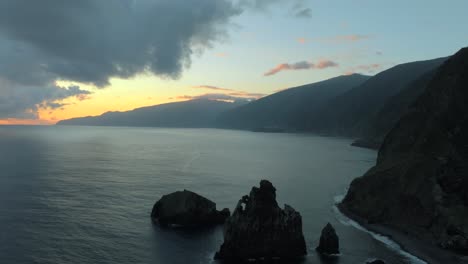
pixel 61 59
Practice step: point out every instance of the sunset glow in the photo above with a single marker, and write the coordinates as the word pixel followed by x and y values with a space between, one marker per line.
pixel 253 55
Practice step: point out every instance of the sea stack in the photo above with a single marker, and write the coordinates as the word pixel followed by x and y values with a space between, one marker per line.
pixel 186 208
pixel 260 229
pixel 419 185
pixel 329 241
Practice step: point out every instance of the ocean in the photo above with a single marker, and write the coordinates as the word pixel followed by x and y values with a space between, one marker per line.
pixel 85 194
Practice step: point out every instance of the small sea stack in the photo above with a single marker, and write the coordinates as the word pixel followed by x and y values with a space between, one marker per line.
pixel 187 209
pixel 260 229
pixel 329 241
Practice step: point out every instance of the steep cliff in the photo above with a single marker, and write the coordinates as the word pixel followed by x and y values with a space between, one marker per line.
pixel 420 183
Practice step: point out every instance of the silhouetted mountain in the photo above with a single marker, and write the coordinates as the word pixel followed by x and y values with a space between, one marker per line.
pixel 419 184
pixel 289 109
pixel 354 106
pixel 195 113
pixel 351 113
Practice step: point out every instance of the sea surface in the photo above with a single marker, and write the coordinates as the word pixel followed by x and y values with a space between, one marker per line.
pixel 84 194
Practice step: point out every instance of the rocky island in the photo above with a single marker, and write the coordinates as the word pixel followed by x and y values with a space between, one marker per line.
pixel 187 209
pixel 419 184
pixel 260 229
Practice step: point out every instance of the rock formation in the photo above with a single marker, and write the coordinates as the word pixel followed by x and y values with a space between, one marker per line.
pixel 260 229
pixel 187 208
pixel 329 241
pixel 420 183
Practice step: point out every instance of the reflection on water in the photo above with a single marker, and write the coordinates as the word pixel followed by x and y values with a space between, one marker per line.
pixel 84 194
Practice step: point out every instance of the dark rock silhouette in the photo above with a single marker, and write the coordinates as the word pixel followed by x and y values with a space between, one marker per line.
pixel 329 241
pixel 187 208
pixel 259 228
pixel 419 184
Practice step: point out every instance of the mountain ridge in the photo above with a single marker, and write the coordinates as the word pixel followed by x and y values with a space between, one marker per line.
pixel 350 113
pixel 289 108
pixel 190 114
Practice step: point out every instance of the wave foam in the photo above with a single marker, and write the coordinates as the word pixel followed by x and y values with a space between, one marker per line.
pixel 381 238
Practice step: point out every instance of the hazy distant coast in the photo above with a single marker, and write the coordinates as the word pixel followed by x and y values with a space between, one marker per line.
pixel 354 106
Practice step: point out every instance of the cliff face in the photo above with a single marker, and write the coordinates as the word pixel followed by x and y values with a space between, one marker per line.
pixel 420 182
pixel 393 109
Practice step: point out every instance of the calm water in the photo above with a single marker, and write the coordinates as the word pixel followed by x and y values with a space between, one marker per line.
pixel 84 194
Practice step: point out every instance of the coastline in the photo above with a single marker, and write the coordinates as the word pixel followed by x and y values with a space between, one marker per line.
pixel 423 252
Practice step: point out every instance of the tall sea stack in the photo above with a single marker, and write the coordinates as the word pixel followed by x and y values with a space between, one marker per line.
pixel 260 229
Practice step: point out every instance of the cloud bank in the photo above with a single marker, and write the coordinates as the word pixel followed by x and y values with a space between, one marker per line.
pixel 23 102
pixel 89 41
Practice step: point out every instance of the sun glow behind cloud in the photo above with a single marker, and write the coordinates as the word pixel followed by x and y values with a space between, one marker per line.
pixel 235 60
pixel 124 95
pixel 121 95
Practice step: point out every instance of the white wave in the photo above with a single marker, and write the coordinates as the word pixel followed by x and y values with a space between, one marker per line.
pixel 381 238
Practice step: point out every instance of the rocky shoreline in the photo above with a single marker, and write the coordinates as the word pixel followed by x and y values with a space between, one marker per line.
pixel 420 249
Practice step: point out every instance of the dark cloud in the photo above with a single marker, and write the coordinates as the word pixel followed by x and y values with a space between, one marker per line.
pixel 91 41
pixel 18 101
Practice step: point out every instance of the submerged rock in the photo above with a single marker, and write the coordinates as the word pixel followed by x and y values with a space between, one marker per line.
pixel 260 229
pixel 329 241
pixel 186 208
